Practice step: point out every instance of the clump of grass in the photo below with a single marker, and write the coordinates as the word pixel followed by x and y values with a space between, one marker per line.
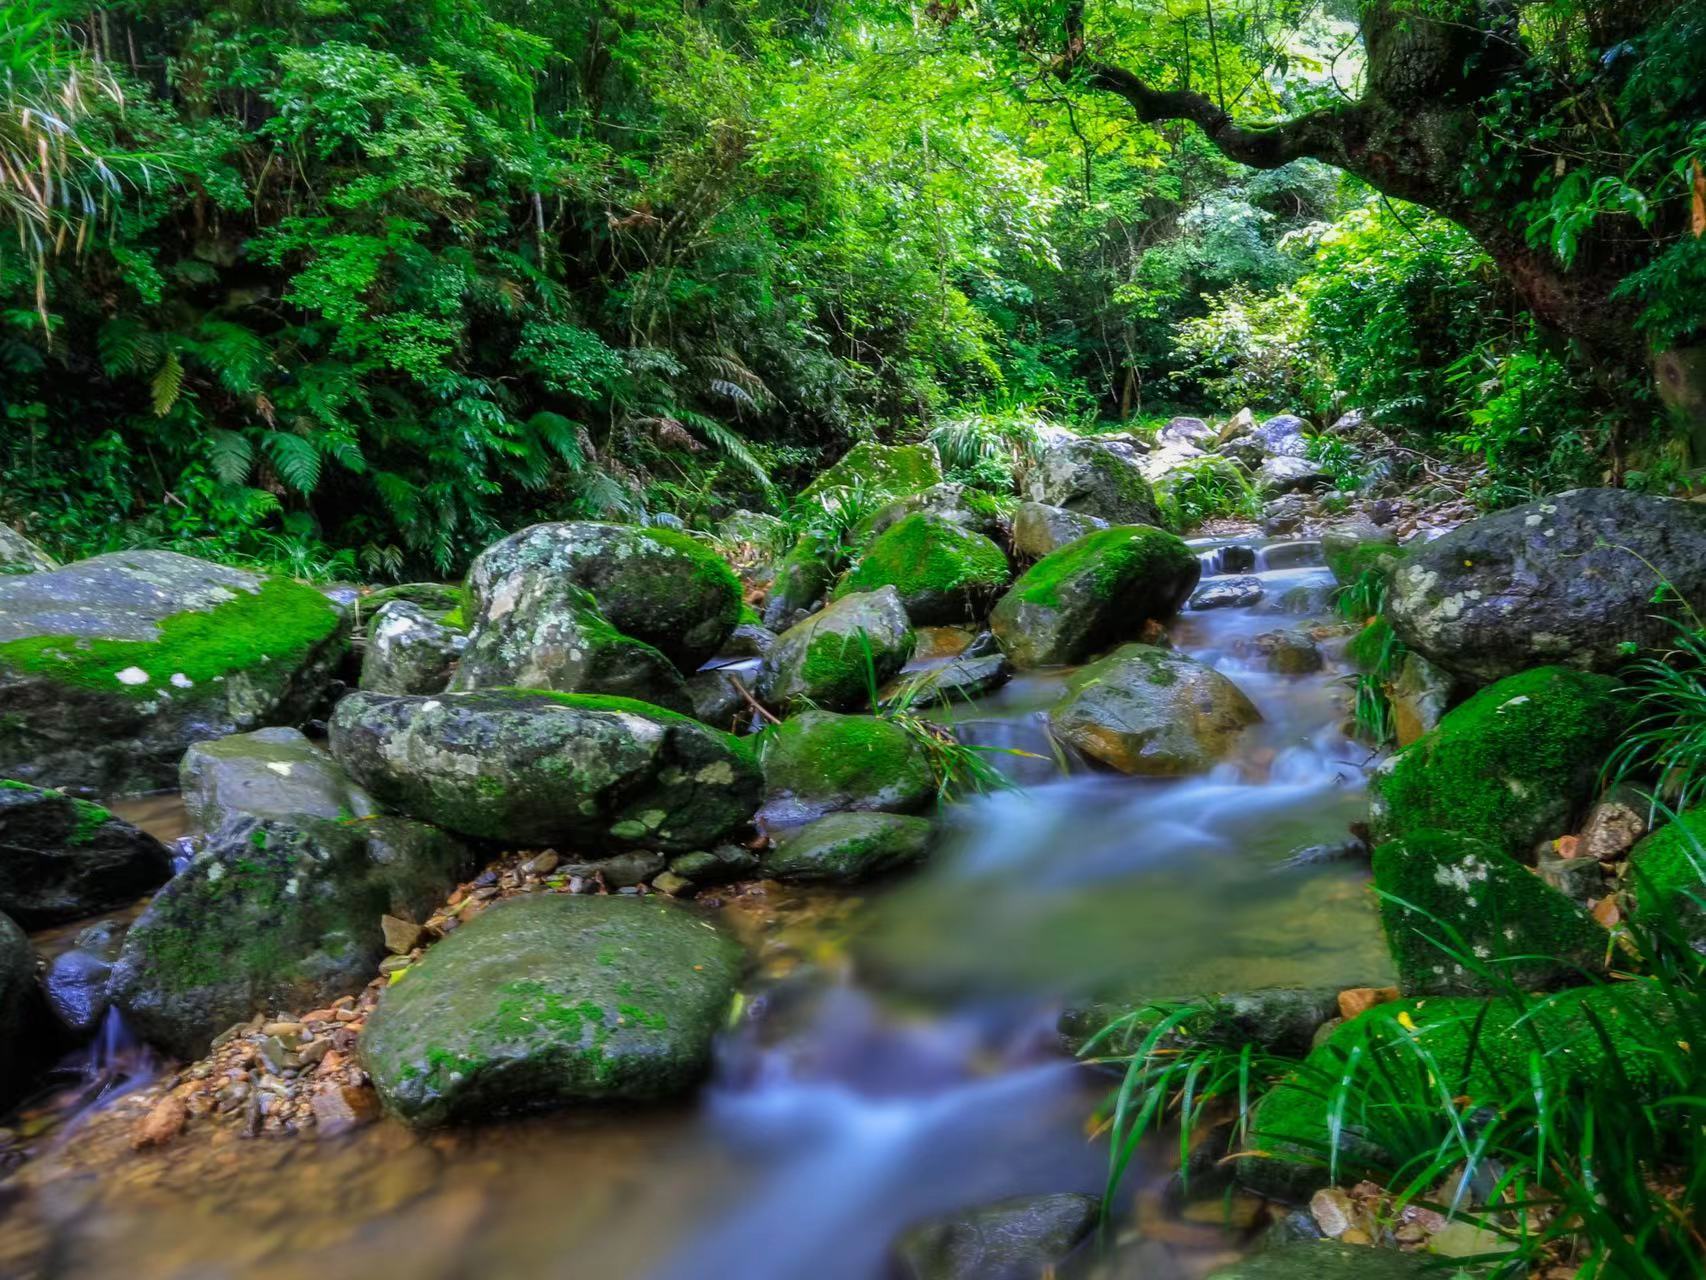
pixel 1668 738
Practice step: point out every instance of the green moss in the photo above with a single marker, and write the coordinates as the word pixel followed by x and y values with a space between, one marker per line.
pixel 1349 563
pixel 927 558
pixel 709 569
pixel 1511 766
pixel 1125 481
pixel 1368 647
pixel 88 819
pixel 748 616
pixel 280 623
pixel 1106 560
pixel 456 619
pixel 820 754
pixel 885 472
pixel 741 747
pixel 1667 872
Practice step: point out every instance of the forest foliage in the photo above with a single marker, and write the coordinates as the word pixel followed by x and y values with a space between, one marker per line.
pixel 355 286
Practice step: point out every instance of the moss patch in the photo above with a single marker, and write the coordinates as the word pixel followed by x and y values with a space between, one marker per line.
pixel 943 572
pixel 1105 561
pixel 883 471
pixel 1667 871
pixel 820 761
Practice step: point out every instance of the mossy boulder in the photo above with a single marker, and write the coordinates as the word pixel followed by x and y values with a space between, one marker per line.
pixel 19 555
pixel 409 650
pixel 1569 580
pixel 663 588
pixel 974 510
pixel 834 657
pixel 275 916
pixel 536 768
pixel 1101 478
pixel 1281 1020
pixel 1092 592
pixel 802 578
pixel 552 636
pixel 1040 530
pixel 819 762
pixel 110 667
pixel 1017 1239
pixel 944 573
pixel 882 472
pixel 1330 1260
pixel 1144 710
pixel 62 858
pixel 949 684
pixel 848 848
pixel 1352 549
pixel 1482 1049
pixel 1463 918
pixel 550 1001
pixel 268 774
pixel 1512 766
pixel 20 1008
pixel 435 598
pixel 1666 877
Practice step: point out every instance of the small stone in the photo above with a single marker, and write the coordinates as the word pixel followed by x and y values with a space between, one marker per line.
pixel 393 964
pixel 344 1108
pixel 1332 1211
pixel 313 1052
pixel 675 886
pixel 276 1054
pixel 282 1029
pixel 401 936
pixel 1357 1000
pixel 544 864
pixel 164 1121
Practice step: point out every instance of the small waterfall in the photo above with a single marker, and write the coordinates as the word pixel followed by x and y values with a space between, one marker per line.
pixel 116 1062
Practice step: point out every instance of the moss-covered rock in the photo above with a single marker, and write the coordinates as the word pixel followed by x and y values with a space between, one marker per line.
pixel 275 915
pixel 818 762
pixel 550 1001
pixel 974 510
pixel 540 768
pixel 19 1008
pixel 1040 530
pixel 1666 877
pixel 1328 1260
pixel 950 684
pixel 409 650
pixel 837 656
pixel 882 472
pixel 1462 1047
pixel 1463 918
pixel 1281 1020
pixel 1017 1239
pixel 1350 550
pixel 944 573
pixel 1092 592
pixel 274 774
pixel 19 555
pixel 110 667
pixel 1145 710
pixel 76 980
pixel 62 859
pixel 1511 766
pixel 1093 477
pixel 802 578
pixel 847 848
pixel 435 598
pixel 662 588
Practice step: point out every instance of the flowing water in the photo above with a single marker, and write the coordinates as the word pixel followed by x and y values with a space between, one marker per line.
pixel 896 1058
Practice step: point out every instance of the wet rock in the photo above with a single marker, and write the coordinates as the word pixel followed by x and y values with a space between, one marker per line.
pixel 951 684
pixel 1306 600
pixel 1093 477
pixel 553 1000
pixel 1039 529
pixel 715 699
pixel 341 1109
pixel 1281 1020
pixel 833 658
pixel 1285 515
pixel 268 774
pixel 619 870
pixel 534 594
pixel 1018 1239
pixel 548 769
pixel 19 1007
pixel 111 667
pixel 883 472
pixel 1325 1260
pixel 165 1121
pixel 847 848
pixel 1099 589
pixel 1511 766
pixel 819 762
pixel 943 573
pixel 1568 581
pixel 749 640
pixel 1615 824
pixel 19 555
pixel 1144 710
pixel 802 578
pixel 409 650
pixel 275 915
pixel 1234 559
pixel 713 866
pixel 76 983
pixel 973 510
pixel 63 859
pixel 1286 653
pixel 1284 474
pixel 1283 435
pixel 1509 927
pixel 1229 593
pixel 1421 695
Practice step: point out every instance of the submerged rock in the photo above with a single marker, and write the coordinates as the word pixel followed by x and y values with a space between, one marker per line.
pixel 1463 918
pixel 1514 765
pixel 1101 588
pixel 847 848
pixel 1040 530
pixel 1145 710
pixel 818 762
pixel 1092 477
pixel 270 774
pixel 19 555
pixel 409 650
pixel 111 667
pixel 835 658
pixel 63 859
pixel 275 915
pixel 944 573
pixel 1569 581
pixel 1229 593
pixel 1017 1239
pixel 1285 653
pixel 549 1001
pixel 538 768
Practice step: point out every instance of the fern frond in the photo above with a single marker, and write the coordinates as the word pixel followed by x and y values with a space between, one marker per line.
pixel 731 446
pixel 125 347
pixel 562 436
pixel 296 458
pixel 167 384
pixel 230 455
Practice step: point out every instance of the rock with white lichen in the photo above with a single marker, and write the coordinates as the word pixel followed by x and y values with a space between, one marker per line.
pixel 409 650
pixel 272 774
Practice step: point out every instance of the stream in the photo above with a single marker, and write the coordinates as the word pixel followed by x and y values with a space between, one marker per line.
pixel 896 1057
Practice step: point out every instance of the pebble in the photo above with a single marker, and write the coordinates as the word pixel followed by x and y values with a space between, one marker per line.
pixel 401 936
pixel 164 1121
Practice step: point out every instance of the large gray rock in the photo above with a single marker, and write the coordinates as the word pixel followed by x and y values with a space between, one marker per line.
pixel 835 657
pixel 1093 477
pixel 848 848
pixel 549 1001
pixel 270 774
pixel 540 768
pixel 880 472
pixel 19 555
pixel 1144 710
pixel 1283 435
pixel 62 859
pixel 19 1007
pixel 663 588
pixel 1283 473
pixel 1569 580
pixel 409 650
pixel 1040 530
pixel 275 916
pixel 1018 1239
pixel 1096 590
pixel 110 667
pixel 819 762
